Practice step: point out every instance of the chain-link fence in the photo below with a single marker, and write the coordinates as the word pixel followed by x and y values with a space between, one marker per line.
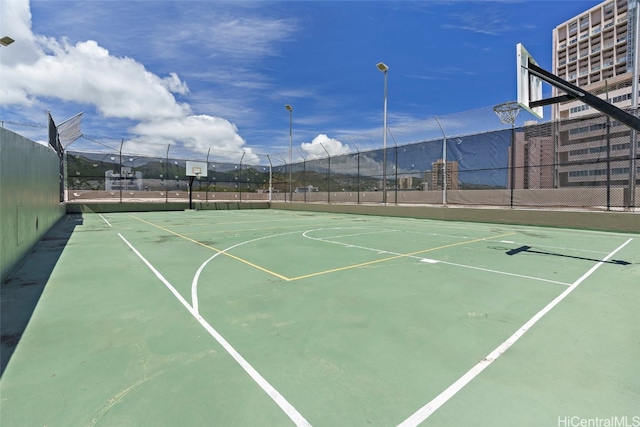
pixel 468 158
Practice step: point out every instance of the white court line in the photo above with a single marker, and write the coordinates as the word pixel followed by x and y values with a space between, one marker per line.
pixel 355 234
pixel 551 247
pixel 429 260
pixel 425 412
pixel 196 277
pixel 105 220
pixel 522 276
pixel 286 407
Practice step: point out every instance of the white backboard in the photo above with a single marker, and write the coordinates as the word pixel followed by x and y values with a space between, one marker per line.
pixel 198 169
pixel 529 86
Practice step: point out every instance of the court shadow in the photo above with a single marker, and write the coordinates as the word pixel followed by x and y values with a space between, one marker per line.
pixel 20 292
pixel 528 249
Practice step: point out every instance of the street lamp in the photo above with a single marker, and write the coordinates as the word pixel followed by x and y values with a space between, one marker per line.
pixel 384 69
pixel 6 41
pixel 290 109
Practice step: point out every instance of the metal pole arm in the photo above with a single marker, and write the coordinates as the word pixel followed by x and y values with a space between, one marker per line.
pixel 586 97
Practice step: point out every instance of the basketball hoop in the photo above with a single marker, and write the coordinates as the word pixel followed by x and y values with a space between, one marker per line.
pixel 507 112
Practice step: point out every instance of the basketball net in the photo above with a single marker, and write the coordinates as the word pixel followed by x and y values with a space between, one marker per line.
pixel 507 112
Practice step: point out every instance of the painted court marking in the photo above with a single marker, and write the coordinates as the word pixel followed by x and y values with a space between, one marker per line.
pixel 196 277
pixel 105 220
pixel 377 261
pixel 427 410
pixel 422 259
pixel 274 394
pixel 382 252
pixel 212 248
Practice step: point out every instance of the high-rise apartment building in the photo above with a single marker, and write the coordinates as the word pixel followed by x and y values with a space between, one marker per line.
pixel 595 51
pixel 437 175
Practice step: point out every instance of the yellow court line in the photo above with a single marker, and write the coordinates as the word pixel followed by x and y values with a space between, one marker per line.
pixel 319 273
pixel 214 249
pixel 306 276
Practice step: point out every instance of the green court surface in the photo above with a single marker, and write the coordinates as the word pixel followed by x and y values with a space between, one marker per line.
pixel 275 318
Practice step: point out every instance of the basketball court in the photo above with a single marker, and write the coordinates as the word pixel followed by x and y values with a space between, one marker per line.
pixel 268 317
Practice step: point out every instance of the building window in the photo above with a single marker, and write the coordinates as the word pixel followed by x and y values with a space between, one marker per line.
pixel 579 152
pixel 573 28
pixel 584 22
pixel 619 171
pixel 578 109
pixel 608 10
pixel 621 98
pixel 578 131
pixel 574 174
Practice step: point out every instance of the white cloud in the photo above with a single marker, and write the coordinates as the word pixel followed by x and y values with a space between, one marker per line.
pixel 197 133
pixel 238 38
pixel 87 74
pixel 37 69
pixel 314 149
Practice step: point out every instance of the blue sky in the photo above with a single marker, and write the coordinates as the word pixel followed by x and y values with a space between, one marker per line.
pixel 218 74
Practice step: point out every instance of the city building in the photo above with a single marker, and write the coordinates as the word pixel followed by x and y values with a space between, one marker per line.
pixel 406 183
pixel 594 50
pixel 427 184
pixel 534 158
pixel 437 175
pixel 307 189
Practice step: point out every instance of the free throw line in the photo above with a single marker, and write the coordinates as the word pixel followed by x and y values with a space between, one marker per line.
pixel 425 412
pixel 274 394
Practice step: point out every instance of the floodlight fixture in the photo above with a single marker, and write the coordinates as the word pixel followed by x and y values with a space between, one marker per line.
pixel 6 41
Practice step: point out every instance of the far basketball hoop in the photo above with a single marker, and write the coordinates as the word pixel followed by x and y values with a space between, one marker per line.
pixel 197 169
pixel 529 86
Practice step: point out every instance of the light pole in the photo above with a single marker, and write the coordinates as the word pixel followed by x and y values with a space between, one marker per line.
pixel 290 109
pixel 384 69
